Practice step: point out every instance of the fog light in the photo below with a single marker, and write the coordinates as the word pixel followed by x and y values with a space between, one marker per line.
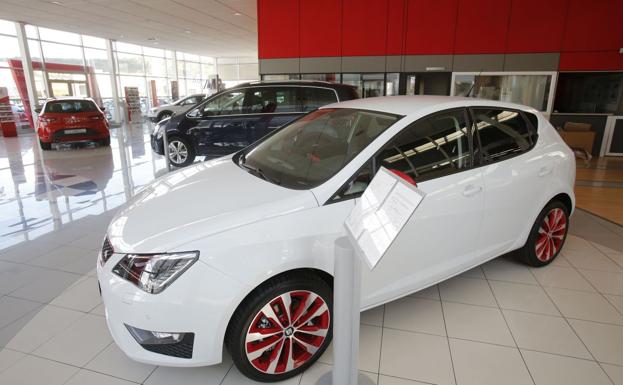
pixel 147 337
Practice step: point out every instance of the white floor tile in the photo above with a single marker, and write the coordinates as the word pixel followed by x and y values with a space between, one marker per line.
pixel 99 310
pixel 605 282
pixel 206 375
pixel 25 252
pixel 86 377
pixel 47 286
pixel 515 296
pixel 604 341
pixel 584 305
pixel 387 380
pixel 373 317
pixel 476 272
pixel 484 364
pixel 114 362
pixel 14 276
pixel 415 314
pixel 79 343
pixel 548 369
pixel 545 333
pixel 593 260
pixel 428 293
pixel 476 323
pixel 317 371
pixel 605 249
pixel 614 372
pixel 561 277
pixel 508 269
pixel 91 241
pixel 83 296
pixel 369 349
pixel 45 324
pixel 234 377
pixel 415 356
pixel 58 257
pixel 32 370
pixel 11 309
pixel 9 357
pixel 467 290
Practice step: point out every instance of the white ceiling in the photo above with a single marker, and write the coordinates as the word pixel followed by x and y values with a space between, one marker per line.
pixel 220 28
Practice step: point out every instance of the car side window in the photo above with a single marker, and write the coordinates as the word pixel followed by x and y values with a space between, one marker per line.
pixel 432 147
pixel 228 103
pixel 356 185
pixel 266 100
pixel 312 98
pixel 502 133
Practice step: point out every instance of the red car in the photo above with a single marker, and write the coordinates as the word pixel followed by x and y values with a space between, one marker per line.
pixel 71 120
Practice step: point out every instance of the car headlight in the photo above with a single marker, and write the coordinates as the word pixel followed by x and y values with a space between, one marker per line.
pixel 154 272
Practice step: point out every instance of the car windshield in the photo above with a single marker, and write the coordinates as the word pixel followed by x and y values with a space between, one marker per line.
pixel 70 106
pixel 312 149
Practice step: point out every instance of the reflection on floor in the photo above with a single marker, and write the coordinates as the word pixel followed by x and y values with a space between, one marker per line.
pixel 599 187
pixel 502 323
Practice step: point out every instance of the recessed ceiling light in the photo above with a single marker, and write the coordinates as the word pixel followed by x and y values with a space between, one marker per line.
pixel 56 2
pixel 237 13
pixel 187 31
pixel 152 39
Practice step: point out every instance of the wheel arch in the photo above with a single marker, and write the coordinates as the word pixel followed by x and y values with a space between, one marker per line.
pixel 565 199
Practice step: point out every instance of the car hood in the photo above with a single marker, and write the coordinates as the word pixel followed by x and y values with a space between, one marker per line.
pixel 197 201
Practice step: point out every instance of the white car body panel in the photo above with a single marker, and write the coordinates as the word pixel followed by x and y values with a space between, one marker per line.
pixel 248 230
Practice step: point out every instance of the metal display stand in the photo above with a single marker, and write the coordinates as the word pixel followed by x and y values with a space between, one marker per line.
pixel 385 207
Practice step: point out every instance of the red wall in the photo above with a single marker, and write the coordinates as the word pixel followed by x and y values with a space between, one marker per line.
pixel 588 34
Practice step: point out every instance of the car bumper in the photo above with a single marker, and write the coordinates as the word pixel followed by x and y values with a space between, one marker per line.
pixel 198 302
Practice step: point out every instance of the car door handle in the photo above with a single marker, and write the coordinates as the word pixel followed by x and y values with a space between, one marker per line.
pixel 471 190
pixel 545 170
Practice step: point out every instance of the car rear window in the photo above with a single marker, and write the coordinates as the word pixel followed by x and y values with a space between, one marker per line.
pixel 313 98
pixel 70 106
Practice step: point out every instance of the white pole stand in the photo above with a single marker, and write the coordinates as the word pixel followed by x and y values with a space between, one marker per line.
pixel 346 314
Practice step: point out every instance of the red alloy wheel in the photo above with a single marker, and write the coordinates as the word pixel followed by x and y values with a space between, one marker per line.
pixel 287 332
pixel 551 234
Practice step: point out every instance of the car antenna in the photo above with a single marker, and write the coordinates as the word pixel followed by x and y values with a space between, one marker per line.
pixel 471 89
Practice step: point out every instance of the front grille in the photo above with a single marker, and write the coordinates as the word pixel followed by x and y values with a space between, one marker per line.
pixel 107 251
pixel 182 349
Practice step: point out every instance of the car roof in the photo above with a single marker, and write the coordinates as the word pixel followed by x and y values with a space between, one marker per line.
pixel 68 99
pixel 409 105
pixel 309 83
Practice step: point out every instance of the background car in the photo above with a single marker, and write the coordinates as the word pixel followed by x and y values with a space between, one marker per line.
pixel 180 106
pixel 245 255
pixel 237 117
pixel 71 120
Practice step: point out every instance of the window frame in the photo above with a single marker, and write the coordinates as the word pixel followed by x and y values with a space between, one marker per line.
pixel 479 162
pixel 374 161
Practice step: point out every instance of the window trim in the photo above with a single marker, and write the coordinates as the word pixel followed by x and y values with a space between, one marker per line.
pixel 246 90
pixel 476 133
pixel 373 158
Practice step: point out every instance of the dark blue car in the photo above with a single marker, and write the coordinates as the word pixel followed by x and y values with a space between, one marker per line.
pixel 235 118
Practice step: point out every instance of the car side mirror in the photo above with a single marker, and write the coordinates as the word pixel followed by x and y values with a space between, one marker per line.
pixel 195 114
pixel 103 108
pixel 38 110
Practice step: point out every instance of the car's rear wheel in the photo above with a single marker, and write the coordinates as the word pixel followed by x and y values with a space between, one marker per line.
pixel 282 328
pixel 45 146
pixel 547 236
pixel 105 142
pixel 181 153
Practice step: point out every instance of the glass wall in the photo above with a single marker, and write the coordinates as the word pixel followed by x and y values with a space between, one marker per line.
pixel 367 84
pixel 10 69
pixel 531 89
pixel 590 92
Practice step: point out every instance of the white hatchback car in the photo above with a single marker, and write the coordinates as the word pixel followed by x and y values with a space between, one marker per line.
pixel 179 106
pixel 238 252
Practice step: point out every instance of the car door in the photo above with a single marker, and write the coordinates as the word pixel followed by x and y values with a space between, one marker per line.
pixel 270 108
pixel 512 176
pixel 440 240
pixel 219 124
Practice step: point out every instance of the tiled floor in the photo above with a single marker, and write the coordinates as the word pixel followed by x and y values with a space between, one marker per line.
pixel 502 323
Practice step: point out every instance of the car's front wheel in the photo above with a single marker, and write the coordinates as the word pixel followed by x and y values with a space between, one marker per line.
pixel 547 236
pixel 181 153
pixel 282 328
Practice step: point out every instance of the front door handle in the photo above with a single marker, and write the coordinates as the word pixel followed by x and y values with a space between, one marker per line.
pixel 471 190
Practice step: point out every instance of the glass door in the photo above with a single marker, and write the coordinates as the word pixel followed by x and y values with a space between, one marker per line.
pixel 68 84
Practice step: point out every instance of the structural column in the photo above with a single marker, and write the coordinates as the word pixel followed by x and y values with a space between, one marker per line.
pixel 29 75
pixel 114 74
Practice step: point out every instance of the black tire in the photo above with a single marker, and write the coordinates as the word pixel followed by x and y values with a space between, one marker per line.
pixel 45 146
pixel 163 115
pixel 544 243
pixel 185 153
pixel 294 287
pixel 105 142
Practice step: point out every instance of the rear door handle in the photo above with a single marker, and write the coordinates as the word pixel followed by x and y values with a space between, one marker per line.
pixel 471 190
